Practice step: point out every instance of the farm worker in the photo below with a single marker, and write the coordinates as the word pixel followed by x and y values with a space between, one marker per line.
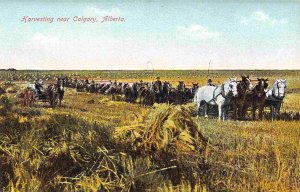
pixel 115 83
pixel 38 85
pixel 209 82
pixel 158 81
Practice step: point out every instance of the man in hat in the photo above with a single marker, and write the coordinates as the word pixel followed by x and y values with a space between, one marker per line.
pixel 87 81
pixel 115 83
pixel 158 82
pixel 210 83
pixel 38 85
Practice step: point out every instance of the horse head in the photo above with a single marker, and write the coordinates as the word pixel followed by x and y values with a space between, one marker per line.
pixel 279 88
pixel 261 87
pixel 246 83
pixel 195 86
pixel 230 87
pixel 60 85
pixel 266 84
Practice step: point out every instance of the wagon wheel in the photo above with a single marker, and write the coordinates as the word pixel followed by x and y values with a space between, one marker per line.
pixel 41 97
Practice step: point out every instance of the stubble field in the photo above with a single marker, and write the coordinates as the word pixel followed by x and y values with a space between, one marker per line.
pixel 92 143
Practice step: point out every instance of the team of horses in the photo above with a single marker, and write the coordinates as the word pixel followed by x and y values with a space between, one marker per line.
pixel 232 95
pixel 239 96
pixel 53 94
pixel 147 93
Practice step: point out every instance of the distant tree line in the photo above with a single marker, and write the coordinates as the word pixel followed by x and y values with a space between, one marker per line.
pixel 9 69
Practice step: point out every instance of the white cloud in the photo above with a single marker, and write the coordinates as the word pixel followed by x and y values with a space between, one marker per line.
pixel 261 17
pixel 198 31
pixel 44 40
pixel 97 12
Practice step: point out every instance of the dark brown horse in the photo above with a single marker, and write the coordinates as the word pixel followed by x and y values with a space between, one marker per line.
pixel 156 91
pixel 259 97
pixel 130 92
pixel 56 92
pixel 244 89
pixel 28 97
pixel 180 92
pixel 166 88
pixel 145 95
pixel 255 99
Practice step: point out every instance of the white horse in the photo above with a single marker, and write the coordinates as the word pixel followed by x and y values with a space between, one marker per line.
pixel 275 96
pixel 216 95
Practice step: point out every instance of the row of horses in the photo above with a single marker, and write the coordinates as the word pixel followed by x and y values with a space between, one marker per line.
pixel 232 95
pixel 147 93
pixel 238 96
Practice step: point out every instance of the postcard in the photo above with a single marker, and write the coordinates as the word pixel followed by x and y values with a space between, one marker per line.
pixel 192 95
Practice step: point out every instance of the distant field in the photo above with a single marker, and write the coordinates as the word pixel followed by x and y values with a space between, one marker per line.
pixel 189 76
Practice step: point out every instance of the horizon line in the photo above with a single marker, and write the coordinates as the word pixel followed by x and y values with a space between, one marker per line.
pixel 9 69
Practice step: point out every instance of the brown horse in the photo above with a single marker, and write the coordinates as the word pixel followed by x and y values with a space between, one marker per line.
pixel 145 96
pixel 259 97
pixel 56 92
pixel 114 90
pixel 244 89
pixel 255 99
pixel 180 93
pixel 156 91
pixel 28 97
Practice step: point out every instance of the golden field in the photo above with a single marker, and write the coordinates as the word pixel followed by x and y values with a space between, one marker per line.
pixel 94 144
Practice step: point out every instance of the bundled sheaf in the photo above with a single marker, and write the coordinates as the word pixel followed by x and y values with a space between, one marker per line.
pixel 167 128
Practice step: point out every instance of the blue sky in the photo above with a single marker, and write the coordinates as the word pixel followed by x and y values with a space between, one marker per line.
pixel 167 34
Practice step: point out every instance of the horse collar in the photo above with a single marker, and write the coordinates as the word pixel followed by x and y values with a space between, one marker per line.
pixel 221 93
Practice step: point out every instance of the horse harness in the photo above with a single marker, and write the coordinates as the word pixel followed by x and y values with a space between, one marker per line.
pixel 221 93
